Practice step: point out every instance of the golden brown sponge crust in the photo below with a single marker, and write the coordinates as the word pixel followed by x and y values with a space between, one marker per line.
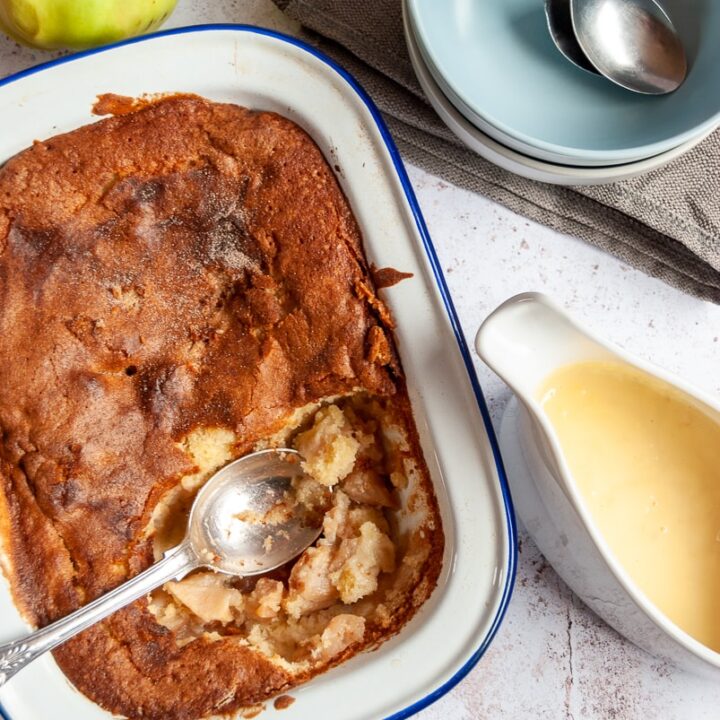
pixel 187 264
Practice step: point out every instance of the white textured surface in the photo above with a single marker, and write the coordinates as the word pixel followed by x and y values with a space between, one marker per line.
pixel 552 658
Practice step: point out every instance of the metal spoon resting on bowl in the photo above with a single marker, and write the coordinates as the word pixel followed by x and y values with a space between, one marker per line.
pixel 633 43
pixel 559 22
pixel 246 520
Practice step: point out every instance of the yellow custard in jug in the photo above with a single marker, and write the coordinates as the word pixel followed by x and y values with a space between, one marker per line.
pixel 646 460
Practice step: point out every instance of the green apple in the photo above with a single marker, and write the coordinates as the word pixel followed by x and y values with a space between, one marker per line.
pixel 80 24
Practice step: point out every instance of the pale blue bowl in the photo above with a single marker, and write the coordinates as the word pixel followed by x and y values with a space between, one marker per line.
pixel 496 57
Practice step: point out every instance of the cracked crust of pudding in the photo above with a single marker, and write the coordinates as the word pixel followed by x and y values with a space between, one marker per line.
pixel 183 284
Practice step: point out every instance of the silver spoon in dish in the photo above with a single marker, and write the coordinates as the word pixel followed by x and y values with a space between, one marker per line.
pixel 633 43
pixel 246 520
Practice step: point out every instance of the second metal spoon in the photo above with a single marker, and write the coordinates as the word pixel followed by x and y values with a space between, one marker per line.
pixel 559 22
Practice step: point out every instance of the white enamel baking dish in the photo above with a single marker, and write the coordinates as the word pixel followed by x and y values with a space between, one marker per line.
pixel 262 69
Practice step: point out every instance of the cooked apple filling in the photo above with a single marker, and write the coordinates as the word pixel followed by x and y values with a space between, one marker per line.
pixel 354 578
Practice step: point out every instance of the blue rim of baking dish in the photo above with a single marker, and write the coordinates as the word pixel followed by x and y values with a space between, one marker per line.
pixel 444 293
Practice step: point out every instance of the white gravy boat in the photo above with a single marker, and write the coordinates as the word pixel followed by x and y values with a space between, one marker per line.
pixel 524 341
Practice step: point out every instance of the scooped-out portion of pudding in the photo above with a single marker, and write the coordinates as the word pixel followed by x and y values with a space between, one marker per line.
pixel 184 283
pixel 349 587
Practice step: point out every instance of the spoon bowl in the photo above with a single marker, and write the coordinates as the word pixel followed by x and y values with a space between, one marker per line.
pixel 248 519
pixel 633 43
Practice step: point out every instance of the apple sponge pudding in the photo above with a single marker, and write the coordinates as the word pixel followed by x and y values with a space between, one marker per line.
pixel 184 283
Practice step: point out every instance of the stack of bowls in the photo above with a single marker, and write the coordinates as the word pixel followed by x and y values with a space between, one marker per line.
pixel 493 74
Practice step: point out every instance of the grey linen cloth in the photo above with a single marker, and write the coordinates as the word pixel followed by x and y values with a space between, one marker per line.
pixel 666 222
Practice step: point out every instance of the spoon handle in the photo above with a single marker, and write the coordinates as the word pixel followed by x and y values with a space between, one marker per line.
pixel 18 653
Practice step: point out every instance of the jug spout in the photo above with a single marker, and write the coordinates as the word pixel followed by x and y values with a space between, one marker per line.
pixel 528 337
